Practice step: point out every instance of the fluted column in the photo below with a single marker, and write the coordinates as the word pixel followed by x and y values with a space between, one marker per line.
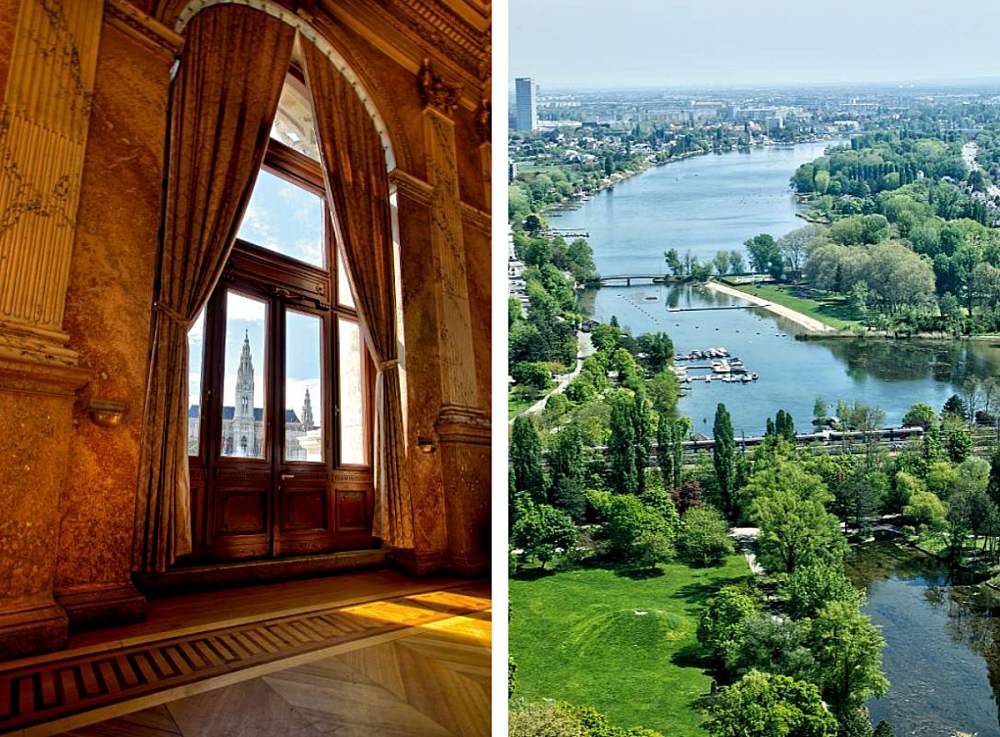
pixel 44 122
pixel 462 427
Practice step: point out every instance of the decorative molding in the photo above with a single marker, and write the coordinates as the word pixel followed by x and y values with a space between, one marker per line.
pixel 460 424
pixel 102 604
pixel 34 627
pixel 417 190
pixel 434 91
pixel 476 218
pixel 411 187
pixel 437 24
pixel 25 343
pixel 125 17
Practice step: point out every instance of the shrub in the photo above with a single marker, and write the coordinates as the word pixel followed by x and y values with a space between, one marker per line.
pixel 637 534
pixel 532 373
pixel 926 509
pixel 703 538
pixel 541 531
pixel 765 705
pixel 809 588
pixel 720 628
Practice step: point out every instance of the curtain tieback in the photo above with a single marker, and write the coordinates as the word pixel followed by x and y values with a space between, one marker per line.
pixel 171 313
pixel 386 365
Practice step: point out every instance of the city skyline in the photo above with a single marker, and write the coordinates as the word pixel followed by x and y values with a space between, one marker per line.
pixel 646 44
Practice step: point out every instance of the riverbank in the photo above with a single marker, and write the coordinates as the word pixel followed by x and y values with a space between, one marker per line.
pixel 619 177
pixel 771 305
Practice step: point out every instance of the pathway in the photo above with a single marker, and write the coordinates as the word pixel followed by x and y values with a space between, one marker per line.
pixel 746 541
pixel 805 321
pixel 584 348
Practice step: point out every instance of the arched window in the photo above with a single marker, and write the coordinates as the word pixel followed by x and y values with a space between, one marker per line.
pixel 284 369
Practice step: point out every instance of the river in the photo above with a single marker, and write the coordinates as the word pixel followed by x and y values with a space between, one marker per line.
pixel 942 655
pixel 713 202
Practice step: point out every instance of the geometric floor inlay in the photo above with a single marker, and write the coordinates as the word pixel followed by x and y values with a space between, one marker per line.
pixel 380 682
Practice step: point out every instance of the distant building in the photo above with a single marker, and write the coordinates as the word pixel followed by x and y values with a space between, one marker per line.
pixel 243 424
pixel 511 171
pixel 527 111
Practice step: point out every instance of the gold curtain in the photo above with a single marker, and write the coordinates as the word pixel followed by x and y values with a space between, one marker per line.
pixel 357 191
pixel 223 103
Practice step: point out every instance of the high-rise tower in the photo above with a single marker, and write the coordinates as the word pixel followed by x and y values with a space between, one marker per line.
pixel 527 113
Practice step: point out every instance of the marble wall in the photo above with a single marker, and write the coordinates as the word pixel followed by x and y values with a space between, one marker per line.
pixel 108 315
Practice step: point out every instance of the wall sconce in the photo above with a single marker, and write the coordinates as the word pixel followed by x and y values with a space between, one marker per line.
pixel 106 412
pixel 426 445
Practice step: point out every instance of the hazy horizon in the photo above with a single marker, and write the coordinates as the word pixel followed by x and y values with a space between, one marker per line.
pixel 671 44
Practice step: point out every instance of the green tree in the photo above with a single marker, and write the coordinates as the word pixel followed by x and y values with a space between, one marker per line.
pixel 703 538
pixel 720 629
pixel 724 457
pixel 526 458
pixel 920 415
pixel 809 588
pixel 623 477
pixel 566 470
pixel 925 509
pixel 784 425
pixel 542 532
pixel 637 534
pixel 765 256
pixel 848 652
pixel 674 262
pixel 670 435
pixel 820 409
pixel 766 705
pixel 530 373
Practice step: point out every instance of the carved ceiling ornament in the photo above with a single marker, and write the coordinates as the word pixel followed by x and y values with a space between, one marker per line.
pixel 434 91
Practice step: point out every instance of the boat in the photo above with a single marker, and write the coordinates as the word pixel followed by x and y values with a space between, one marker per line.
pixel 746 379
pixel 651 298
pixel 754 376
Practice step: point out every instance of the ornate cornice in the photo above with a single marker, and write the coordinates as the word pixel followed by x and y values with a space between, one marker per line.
pixel 434 91
pixel 125 17
pixel 466 425
pixel 448 31
pixel 411 187
pixel 479 219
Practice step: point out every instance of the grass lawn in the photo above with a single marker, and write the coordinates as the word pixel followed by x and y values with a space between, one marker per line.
pixel 519 400
pixel 624 646
pixel 833 310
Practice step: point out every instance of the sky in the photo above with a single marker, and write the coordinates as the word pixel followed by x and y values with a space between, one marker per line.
pixel 591 44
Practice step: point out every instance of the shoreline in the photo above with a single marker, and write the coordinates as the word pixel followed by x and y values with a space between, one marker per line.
pixel 809 323
pixel 571 203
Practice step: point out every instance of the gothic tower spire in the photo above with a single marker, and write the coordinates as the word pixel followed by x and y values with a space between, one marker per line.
pixel 307 412
pixel 244 381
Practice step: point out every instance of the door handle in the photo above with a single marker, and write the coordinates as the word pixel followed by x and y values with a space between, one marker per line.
pixel 286 476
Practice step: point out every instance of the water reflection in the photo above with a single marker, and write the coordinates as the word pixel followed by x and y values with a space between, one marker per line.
pixel 891 374
pixel 943 643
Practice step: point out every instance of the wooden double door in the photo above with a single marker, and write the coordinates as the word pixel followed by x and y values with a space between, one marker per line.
pixel 279 403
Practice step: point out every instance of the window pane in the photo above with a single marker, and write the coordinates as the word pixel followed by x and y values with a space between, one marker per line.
pixel 284 218
pixel 196 354
pixel 344 295
pixel 303 387
pixel 293 122
pixel 352 406
pixel 243 386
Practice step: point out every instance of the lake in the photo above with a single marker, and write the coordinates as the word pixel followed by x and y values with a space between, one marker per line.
pixel 942 655
pixel 712 202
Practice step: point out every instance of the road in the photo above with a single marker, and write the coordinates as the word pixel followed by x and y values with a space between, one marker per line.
pixel 584 348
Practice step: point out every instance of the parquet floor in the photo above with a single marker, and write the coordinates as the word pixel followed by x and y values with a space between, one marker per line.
pixel 417 664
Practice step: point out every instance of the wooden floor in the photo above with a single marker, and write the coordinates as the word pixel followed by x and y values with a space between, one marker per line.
pixel 345 656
